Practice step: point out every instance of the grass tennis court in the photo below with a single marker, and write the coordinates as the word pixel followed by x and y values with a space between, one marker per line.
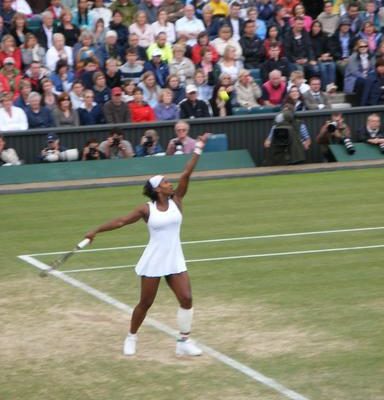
pixel 287 278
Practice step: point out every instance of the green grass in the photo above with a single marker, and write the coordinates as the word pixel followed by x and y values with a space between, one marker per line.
pixel 313 322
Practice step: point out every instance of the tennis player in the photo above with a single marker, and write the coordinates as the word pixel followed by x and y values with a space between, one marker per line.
pixel 163 256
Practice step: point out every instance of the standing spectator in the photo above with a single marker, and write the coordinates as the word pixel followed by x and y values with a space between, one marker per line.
pixel 166 110
pixel 81 16
pixel 182 143
pixel 142 29
pixel 62 78
pixel 223 95
pixel 252 47
pixel 140 110
pixel 77 94
pixel 12 118
pixel 64 115
pixel 191 107
pixel 45 34
pixel 178 90
pixel 116 146
pixel 373 92
pixel 149 144
pixel 181 66
pixel 115 110
pixel 127 9
pixel 10 77
pixel 99 11
pixel 188 27
pixel 274 89
pixel 248 92
pixel 133 68
pixel 314 98
pixel 38 115
pixel 22 100
pixel 328 19
pixel 8 156
pixel 224 39
pixel 31 51
pixel 8 49
pixel 163 25
pixel 158 67
pixel 58 51
pixel 274 61
pixel 70 31
pixel 90 113
pixel 150 88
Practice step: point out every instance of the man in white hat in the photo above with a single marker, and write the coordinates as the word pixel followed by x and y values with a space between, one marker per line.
pixel 192 107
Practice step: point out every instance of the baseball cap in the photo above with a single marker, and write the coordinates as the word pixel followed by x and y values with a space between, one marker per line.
pixel 157 53
pixel 52 137
pixel 190 89
pixel 9 60
pixel 116 91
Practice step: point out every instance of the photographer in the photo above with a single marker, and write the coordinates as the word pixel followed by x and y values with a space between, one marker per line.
pixel 51 153
pixel 91 151
pixel 116 146
pixel 334 131
pixel 182 143
pixel 372 133
pixel 149 144
pixel 8 156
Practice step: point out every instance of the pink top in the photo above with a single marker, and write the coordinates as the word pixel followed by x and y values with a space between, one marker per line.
pixel 145 35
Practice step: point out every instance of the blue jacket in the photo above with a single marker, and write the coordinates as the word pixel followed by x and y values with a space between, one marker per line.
pixel 161 72
pixel 58 83
pixel 372 93
pixel 42 119
pixel 93 117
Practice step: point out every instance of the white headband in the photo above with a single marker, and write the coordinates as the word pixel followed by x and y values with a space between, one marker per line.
pixel 156 180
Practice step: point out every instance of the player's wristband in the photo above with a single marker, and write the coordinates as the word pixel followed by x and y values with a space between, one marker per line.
pixel 198 150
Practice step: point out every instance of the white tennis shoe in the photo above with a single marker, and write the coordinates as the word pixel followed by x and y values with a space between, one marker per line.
pixel 187 348
pixel 130 345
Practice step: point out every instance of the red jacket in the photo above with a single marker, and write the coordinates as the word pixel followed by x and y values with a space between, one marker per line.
pixel 141 112
pixel 196 56
pixel 11 86
pixel 16 55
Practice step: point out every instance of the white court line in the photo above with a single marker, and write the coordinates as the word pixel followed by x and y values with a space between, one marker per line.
pixel 140 246
pixel 285 253
pixel 255 375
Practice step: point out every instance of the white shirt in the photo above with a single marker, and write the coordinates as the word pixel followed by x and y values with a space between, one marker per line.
pixel 49 34
pixel 101 12
pixel 193 25
pixel 52 57
pixel 15 122
pixel 169 29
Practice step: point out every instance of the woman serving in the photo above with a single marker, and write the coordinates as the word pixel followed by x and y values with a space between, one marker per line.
pixel 163 256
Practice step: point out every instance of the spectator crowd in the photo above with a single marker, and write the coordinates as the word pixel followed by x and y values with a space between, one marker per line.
pixel 67 63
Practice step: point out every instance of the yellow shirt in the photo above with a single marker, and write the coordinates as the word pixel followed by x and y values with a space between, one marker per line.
pixel 219 8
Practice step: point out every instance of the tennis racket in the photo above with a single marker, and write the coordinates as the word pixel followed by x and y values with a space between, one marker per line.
pixel 64 257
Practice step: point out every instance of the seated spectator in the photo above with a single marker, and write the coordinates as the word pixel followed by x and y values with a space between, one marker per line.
pixel 64 115
pixel 224 39
pixel 299 11
pixel 211 25
pixel 219 8
pixel 52 150
pixel 158 67
pixel 31 51
pixel 99 32
pixel 191 107
pixel 150 9
pixel 372 14
pixel 372 133
pixel 22 100
pixel 181 66
pixel 370 34
pixel 140 110
pixel 211 70
pixel 188 27
pixel 133 43
pixel 229 64
pixel 174 9
pixel 266 9
pixel 223 96
pixel 48 97
pixel 297 79
pixel 247 91
pixel 288 139
pixel 149 144
pixel 8 49
pixel 10 77
pixel 117 25
pixel 81 16
pixel 173 83
pixel 160 45
pixel 100 89
pixel 127 8
pixel 7 12
pixel 333 131
pixel 19 28
pixel 289 5
pixel 35 74
pixel 70 31
pixel 8 155
pixel 91 151
pixel 58 51
pixel 314 98
pixel 295 99
pixel 62 79
pixel 203 43
pixel 204 91
pixel 12 118
pixel 115 110
pixel 182 143
pixel 133 68
pixel 373 92
pixel 112 73
pixel 252 46
pixel 38 115
pixel 281 20
pixel 273 39
pixel 360 64
pixel 274 61
pixel 116 146
pixel 85 49
pixel 100 11
pixel 142 29
pixel 150 88
pixel 234 20
pixel 328 19
pixel 90 113
pixel 128 88
pixel 110 49
pixel 163 25
pixel 77 94
pixel 261 26
pixel 166 110
pixel 56 8
pixel 274 89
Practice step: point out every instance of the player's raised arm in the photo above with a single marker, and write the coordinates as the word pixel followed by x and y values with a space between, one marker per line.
pixel 182 187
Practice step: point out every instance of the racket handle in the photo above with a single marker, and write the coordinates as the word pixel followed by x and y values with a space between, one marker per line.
pixel 83 243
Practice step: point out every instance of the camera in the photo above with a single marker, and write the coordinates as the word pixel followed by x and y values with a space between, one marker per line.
pixel 332 126
pixel 381 146
pixel 148 142
pixel 116 142
pixel 349 145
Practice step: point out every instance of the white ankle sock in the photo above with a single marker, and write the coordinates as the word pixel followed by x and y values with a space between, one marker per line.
pixel 184 321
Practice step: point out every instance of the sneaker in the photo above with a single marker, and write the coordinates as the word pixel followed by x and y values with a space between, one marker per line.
pixel 187 348
pixel 130 345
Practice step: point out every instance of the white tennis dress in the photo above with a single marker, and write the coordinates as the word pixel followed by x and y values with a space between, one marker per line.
pixel 163 254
